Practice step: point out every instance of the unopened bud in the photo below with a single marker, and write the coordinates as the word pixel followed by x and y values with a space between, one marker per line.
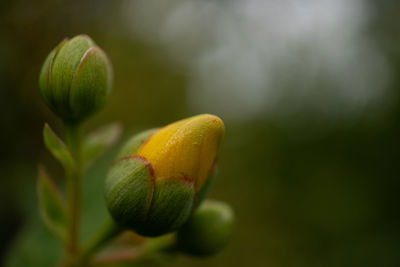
pixel 76 78
pixel 155 187
pixel 208 230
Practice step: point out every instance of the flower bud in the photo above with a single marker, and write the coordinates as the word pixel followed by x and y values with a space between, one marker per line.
pixel 162 175
pixel 76 78
pixel 208 230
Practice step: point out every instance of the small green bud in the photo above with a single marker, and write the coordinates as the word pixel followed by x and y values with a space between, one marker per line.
pixel 162 175
pixel 76 78
pixel 208 230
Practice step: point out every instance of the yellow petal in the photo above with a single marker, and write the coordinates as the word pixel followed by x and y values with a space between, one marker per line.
pixel 186 149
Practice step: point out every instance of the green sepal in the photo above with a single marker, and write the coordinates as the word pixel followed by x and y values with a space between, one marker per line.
pixel 56 146
pixel 170 208
pixel 208 230
pixel 91 84
pixel 99 140
pixel 134 143
pixel 128 191
pixel 206 188
pixel 45 76
pixel 52 206
pixel 137 202
pixel 63 70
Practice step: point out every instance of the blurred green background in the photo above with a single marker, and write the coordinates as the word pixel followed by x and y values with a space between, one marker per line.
pixel 309 93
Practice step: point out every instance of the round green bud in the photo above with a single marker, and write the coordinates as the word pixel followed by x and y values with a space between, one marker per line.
pixel 76 78
pixel 208 230
pixel 162 175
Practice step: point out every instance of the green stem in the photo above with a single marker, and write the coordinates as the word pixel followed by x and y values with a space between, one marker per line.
pixel 108 231
pixel 74 187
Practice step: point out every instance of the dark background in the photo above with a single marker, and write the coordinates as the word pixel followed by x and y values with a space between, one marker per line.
pixel 307 189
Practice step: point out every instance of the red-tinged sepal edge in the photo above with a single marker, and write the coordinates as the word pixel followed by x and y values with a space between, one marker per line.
pixel 57 148
pixel 52 205
pixel 98 141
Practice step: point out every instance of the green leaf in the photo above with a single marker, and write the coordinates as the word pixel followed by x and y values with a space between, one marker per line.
pixel 34 246
pixel 98 141
pixel 56 146
pixel 52 206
